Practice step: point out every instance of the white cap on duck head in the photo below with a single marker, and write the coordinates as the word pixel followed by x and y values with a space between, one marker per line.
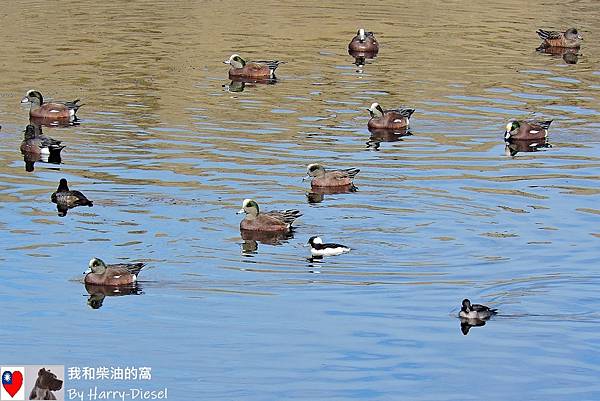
pixel 361 33
pixel 374 107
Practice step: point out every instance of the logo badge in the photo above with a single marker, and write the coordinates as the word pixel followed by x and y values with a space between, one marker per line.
pixel 12 383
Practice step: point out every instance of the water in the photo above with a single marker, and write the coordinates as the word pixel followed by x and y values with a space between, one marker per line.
pixel 168 154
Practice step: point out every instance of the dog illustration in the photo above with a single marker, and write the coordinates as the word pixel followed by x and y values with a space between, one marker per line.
pixel 45 384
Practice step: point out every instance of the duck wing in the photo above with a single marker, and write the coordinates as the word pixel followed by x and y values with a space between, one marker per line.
pixel 545 35
pixel 288 216
pixel 402 112
pixel 133 268
pixel 539 124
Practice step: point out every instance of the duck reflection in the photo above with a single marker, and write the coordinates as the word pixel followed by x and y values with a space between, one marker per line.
pixel 99 292
pixel 317 194
pixel 252 238
pixel 239 83
pixel 466 324
pixel 38 147
pixel 360 58
pixel 569 55
pixel 379 135
pixel 54 122
pixel 525 145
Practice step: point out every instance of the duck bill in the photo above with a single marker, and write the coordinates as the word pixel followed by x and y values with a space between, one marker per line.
pixel 305 178
pixel 240 211
pixel 25 100
pixel 89 270
pixel 226 62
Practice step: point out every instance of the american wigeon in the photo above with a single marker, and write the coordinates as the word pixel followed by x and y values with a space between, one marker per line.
pixel 475 311
pixel 99 273
pixel 395 119
pixel 53 111
pixel 334 178
pixel 364 42
pixel 273 221
pixel 69 198
pixel 526 129
pixel 568 38
pixel 35 142
pixel 319 249
pixel 240 68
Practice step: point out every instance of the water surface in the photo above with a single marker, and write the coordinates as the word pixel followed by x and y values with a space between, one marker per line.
pixel 168 154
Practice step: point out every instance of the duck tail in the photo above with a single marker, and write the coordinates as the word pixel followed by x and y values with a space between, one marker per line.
pixel 407 112
pixel 352 172
pixel 543 34
pixel 545 124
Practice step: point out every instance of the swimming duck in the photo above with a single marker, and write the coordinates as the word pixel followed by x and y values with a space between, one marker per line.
pixel 526 129
pixel 389 119
pixel 273 221
pixel 333 178
pixel 363 42
pixel 99 273
pixel 568 38
pixel 475 311
pixel 68 198
pixel 251 69
pixel 35 142
pixel 54 110
pixel 319 249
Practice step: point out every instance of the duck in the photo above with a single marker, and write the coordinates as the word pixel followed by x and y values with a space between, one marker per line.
pixel 251 69
pixel 54 110
pixel 36 143
pixel 99 273
pixel 569 38
pixel 475 311
pixel 363 42
pixel 319 249
pixel 389 119
pixel 273 221
pixel 526 129
pixel 334 178
pixel 64 196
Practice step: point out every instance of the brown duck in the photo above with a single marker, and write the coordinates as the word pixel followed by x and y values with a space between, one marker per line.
pixel 273 221
pixel 526 129
pixel 99 273
pixel 35 142
pixel 251 69
pixel 54 110
pixel 364 42
pixel 389 119
pixel 568 38
pixel 334 178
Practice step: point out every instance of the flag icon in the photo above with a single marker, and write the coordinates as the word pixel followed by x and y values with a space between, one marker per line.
pixel 12 384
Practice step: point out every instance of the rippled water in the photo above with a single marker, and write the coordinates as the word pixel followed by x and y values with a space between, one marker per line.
pixel 168 154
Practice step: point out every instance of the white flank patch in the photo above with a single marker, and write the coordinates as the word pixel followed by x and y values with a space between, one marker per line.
pixel 329 251
pixel 45 151
pixel 54 111
pixel 71 112
pixel 534 131
pixel 134 277
pixel 117 276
